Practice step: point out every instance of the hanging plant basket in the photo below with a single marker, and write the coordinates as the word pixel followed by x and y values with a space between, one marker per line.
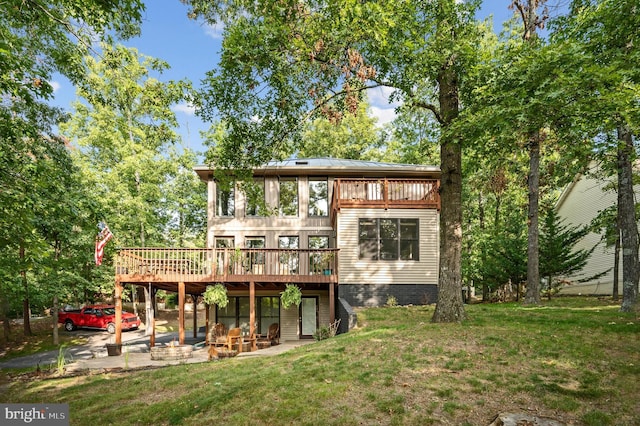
pixel 216 295
pixel 292 295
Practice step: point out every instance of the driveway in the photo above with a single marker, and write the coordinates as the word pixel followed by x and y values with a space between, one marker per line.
pixel 134 341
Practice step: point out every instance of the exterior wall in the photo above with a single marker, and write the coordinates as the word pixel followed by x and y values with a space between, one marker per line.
pixel 357 271
pixel 370 283
pixel 270 227
pixel 579 204
pixel 289 318
pixel 289 325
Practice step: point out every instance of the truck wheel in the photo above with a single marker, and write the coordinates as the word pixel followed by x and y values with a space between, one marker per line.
pixel 111 328
pixel 69 326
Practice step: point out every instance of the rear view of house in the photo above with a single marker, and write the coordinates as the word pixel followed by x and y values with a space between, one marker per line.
pixel 347 233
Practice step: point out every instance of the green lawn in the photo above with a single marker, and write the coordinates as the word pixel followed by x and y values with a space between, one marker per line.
pixel 573 359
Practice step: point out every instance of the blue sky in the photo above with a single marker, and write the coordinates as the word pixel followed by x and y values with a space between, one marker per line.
pixel 191 49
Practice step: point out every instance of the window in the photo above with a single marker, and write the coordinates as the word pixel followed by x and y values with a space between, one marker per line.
pixel 223 243
pixel 236 313
pixel 288 197
pixel 315 259
pixel 255 257
pixel 225 200
pixel 268 312
pixel 255 198
pixel 409 240
pixel 288 259
pixel 388 239
pixel 318 197
pixel 368 239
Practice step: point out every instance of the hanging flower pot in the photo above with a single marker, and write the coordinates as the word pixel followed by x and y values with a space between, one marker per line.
pixel 292 295
pixel 216 295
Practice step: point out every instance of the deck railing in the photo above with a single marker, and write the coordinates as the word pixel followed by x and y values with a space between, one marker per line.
pixel 183 264
pixel 386 193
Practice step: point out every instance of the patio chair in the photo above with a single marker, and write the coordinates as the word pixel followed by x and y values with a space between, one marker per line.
pixel 273 335
pixel 218 335
pixel 234 337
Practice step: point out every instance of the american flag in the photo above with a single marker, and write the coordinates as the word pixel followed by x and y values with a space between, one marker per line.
pixel 101 240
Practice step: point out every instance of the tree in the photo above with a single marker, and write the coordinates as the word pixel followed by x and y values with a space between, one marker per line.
pixel 42 37
pixel 280 65
pixel 37 39
pixel 355 137
pixel 125 131
pixel 608 54
pixel 524 101
pixel 558 256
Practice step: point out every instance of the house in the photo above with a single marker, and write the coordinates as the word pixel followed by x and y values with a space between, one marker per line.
pixel 579 203
pixel 346 232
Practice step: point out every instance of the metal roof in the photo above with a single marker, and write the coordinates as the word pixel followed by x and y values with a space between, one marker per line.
pixel 335 167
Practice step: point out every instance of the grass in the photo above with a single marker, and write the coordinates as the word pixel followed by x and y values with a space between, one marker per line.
pixel 573 359
pixel 41 339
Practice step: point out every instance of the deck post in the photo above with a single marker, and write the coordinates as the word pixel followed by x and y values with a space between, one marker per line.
pixel 154 309
pixel 332 303
pixel 206 323
pixel 252 308
pixel 195 315
pixel 118 300
pixel 181 297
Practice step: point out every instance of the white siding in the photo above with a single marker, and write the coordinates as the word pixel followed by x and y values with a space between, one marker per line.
pixel 581 202
pixel 356 271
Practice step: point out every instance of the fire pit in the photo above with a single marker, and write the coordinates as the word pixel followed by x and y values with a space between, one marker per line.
pixel 171 352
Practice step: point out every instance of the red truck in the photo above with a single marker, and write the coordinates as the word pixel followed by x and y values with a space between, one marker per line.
pixel 99 317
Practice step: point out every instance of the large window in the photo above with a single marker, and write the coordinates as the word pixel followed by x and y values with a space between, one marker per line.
pixel 388 239
pixel 236 313
pixel 318 197
pixel 225 200
pixel 288 259
pixel 315 259
pixel 254 194
pixel 288 197
pixel 255 259
pixel 222 243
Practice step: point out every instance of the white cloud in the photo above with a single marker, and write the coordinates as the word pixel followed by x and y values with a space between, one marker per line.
pixel 384 115
pixel 55 85
pixel 185 108
pixel 379 96
pixel 379 105
pixel 214 31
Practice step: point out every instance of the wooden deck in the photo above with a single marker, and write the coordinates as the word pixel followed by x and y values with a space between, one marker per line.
pixel 197 268
pixel 386 193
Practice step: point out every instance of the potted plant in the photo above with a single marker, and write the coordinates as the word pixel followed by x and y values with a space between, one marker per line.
pixel 114 349
pixel 326 260
pixel 292 295
pixel 216 295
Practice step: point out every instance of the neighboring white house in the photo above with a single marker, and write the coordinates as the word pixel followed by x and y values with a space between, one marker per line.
pixel 579 203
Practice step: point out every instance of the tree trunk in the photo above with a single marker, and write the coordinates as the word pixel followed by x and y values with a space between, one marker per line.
pixel 450 307
pixel 26 308
pixel 54 319
pixel 616 267
pixel 627 220
pixel 532 297
pixel 55 308
pixel 4 317
pixel 483 253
